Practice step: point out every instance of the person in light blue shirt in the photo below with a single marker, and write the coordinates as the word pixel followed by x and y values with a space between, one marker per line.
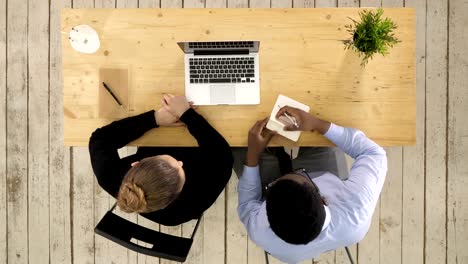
pixel 305 213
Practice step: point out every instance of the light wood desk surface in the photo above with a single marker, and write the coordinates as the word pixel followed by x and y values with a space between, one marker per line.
pixel 301 56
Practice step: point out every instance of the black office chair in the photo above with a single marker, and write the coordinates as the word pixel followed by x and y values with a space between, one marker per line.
pixel 122 231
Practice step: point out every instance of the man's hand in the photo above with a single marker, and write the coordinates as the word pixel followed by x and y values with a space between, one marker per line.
pixel 164 118
pixel 176 105
pixel 304 120
pixel 259 137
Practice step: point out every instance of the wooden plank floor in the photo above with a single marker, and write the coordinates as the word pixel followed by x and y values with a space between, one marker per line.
pixel 50 200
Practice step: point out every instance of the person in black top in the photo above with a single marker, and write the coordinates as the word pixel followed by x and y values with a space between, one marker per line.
pixel 168 185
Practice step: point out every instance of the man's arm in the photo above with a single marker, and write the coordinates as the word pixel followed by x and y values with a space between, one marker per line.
pixel 368 172
pixel 250 193
pixel 250 187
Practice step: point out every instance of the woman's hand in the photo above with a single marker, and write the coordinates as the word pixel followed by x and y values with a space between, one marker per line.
pixel 164 118
pixel 176 105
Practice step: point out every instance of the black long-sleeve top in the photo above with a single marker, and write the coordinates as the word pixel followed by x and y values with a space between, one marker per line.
pixel 207 167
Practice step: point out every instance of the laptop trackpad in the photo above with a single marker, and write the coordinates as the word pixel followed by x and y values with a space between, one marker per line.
pixel 222 94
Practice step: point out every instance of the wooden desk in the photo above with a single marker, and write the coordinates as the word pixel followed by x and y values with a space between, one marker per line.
pixel 301 56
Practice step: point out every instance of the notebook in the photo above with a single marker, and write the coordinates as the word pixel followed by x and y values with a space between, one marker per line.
pixel 278 124
pixel 117 80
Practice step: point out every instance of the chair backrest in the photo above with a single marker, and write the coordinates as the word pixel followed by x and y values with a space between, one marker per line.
pixel 165 246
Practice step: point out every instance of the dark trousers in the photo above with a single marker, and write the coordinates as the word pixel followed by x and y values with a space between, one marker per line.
pixel 315 160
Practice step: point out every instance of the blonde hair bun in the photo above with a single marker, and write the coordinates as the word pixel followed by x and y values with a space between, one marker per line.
pixel 132 198
pixel 149 186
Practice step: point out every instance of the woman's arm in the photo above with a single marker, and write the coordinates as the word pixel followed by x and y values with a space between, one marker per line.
pixel 105 142
pixel 209 140
pixel 216 160
pixel 213 146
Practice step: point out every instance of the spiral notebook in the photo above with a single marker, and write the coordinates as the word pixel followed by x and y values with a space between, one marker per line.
pixel 278 124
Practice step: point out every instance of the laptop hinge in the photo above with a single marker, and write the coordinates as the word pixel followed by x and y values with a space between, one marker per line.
pixel 222 52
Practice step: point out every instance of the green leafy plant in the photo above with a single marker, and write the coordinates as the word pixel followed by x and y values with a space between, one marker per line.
pixel 371 35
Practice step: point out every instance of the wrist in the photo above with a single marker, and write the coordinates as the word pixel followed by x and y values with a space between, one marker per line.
pixel 322 126
pixel 181 113
pixel 311 123
pixel 252 158
pixel 156 117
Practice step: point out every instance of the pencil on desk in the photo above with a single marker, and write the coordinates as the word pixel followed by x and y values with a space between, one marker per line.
pixel 111 93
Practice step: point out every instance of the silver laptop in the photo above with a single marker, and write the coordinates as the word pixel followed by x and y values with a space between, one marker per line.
pixel 222 72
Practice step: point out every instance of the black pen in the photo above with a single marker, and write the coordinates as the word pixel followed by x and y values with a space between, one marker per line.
pixel 111 93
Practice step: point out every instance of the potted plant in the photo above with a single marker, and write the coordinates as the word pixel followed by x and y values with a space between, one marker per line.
pixel 371 35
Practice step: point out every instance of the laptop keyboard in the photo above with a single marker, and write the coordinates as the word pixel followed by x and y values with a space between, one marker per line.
pixel 221 45
pixel 222 70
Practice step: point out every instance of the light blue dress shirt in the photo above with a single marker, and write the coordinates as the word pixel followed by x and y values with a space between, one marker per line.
pixel 351 202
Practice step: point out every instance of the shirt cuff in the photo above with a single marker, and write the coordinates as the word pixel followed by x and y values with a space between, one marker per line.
pixel 251 170
pixel 150 117
pixel 250 186
pixel 188 116
pixel 334 132
pixel 250 175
